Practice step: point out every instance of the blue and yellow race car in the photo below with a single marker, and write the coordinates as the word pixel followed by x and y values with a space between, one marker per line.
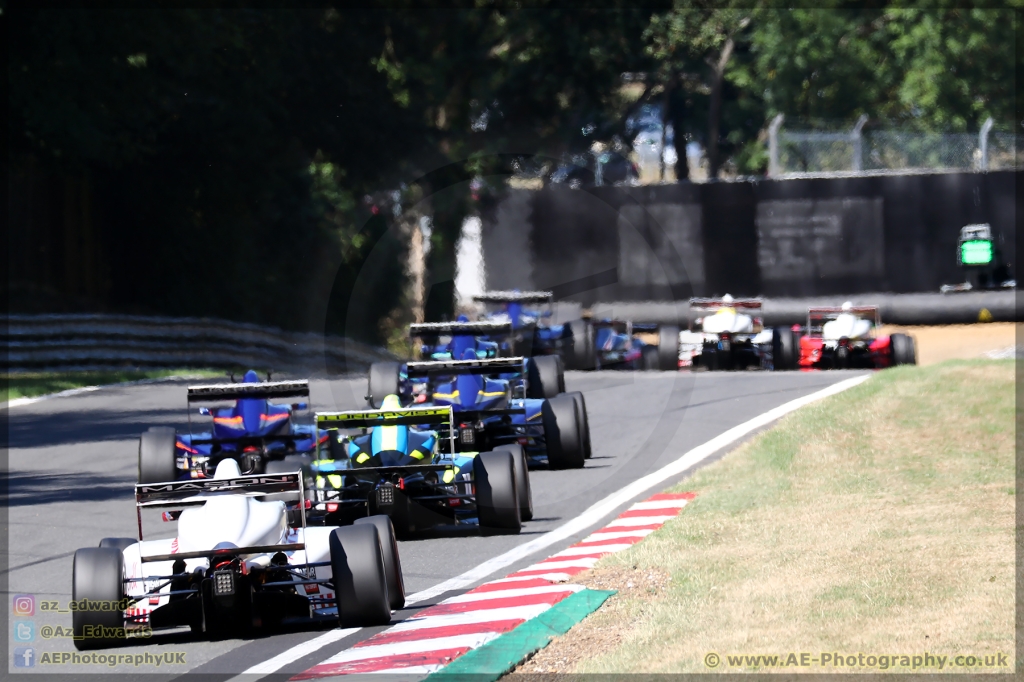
pixel 260 435
pixel 402 462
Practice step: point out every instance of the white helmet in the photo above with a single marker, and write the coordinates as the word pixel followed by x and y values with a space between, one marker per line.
pixel 727 299
pixel 847 307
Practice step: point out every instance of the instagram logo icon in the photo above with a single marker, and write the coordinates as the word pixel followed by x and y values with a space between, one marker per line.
pixel 24 605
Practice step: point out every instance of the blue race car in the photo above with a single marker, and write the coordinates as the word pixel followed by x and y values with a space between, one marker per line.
pixel 401 462
pixel 583 344
pixel 532 334
pixel 627 345
pixel 461 339
pixel 492 412
pixel 260 435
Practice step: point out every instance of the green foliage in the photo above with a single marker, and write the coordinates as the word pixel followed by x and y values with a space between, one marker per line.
pixel 240 162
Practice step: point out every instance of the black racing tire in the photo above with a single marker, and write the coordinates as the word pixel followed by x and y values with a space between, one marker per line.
pixel 784 349
pixel 650 359
pixel 497 496
pixel 523 490
pixel 158 455
pixel 120 544
pixel 97 576
pixel 560 417
pixel 903 349
pixel 668 348
pixel 581 407
pixel 392 563
pixel 289 465
pixel 545 377
pixel 841 357
pixel 583 351
pixel 359 577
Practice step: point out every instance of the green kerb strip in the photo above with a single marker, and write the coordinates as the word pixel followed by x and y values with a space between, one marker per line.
pixel 492 660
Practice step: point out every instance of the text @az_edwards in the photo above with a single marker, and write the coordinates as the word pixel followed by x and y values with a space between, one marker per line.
pixel 859 660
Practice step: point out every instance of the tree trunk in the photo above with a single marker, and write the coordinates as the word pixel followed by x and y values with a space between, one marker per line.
pixel 677 116
pixel 715 110
pixel 664 125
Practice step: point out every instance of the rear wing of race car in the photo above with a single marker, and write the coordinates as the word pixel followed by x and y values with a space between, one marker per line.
pixel 515 297
pixel 428 368
pixel 264 389
pixel 459 328
pixel 708 305
pixel 438 417
pixel 196 492
pixel 627 326
pixel 816 317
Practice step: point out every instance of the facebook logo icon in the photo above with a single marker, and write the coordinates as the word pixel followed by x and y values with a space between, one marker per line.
pixel 24 657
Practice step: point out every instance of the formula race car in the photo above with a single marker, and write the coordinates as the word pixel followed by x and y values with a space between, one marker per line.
pixel 844 338
pixel 486 339
pixel 236 564
pixel 532 336
pixel 260 435
pixel 401 462
pixel 492 413
pixel 629 345
pixel 727 333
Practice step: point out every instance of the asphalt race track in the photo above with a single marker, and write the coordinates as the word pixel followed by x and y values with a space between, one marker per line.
pixel 72 465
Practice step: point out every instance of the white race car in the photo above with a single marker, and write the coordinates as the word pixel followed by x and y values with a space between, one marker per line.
pixel 728 334
pixel 241 560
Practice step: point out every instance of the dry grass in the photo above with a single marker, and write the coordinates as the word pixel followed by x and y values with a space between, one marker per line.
pixel 878 521
pixel 957 341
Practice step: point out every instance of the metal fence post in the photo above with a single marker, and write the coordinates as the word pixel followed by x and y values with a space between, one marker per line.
pixel 986 128
pixel 858 148
pixel 773 145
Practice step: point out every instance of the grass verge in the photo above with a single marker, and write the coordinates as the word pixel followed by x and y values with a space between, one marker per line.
pixel 880 520
pixel 29 385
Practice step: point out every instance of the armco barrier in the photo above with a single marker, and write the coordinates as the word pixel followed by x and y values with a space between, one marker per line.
pixel 959 308
pixel 48 342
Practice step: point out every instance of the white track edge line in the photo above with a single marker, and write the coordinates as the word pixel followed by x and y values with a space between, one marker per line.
pixel 589 517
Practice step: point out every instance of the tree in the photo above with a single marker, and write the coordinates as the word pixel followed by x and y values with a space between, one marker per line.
pixel 699 37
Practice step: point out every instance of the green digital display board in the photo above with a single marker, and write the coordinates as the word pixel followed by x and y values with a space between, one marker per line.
pixel 976 252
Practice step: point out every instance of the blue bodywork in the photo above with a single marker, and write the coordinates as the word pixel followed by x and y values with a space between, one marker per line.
pixel 512 420
pixel 251 425
pixel 615 347
pixel 529 337
pixel 429 487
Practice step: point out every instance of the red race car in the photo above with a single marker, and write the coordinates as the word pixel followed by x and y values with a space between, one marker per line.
pixel 845 338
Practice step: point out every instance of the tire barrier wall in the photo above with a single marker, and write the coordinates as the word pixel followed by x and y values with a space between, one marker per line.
pixel 783 238
pixel 909 309
pixel 55 342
